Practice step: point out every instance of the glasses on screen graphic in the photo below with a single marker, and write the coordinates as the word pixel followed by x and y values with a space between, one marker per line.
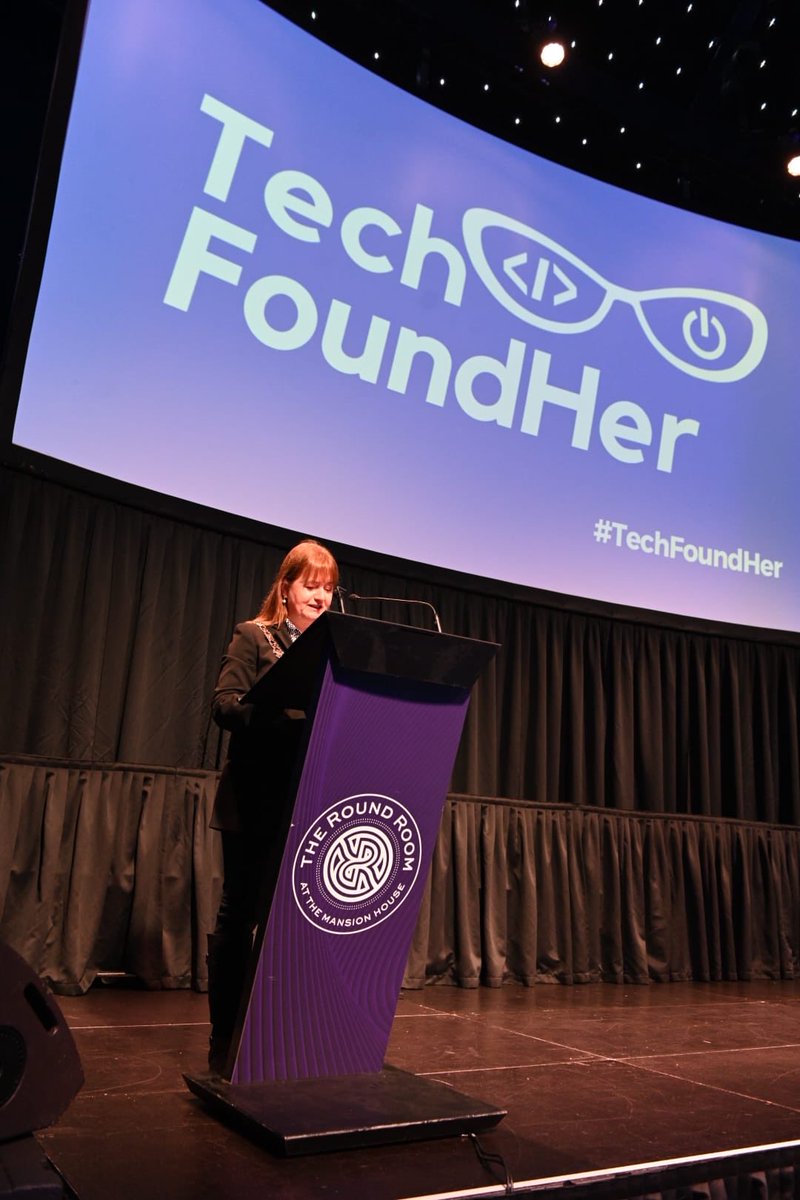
pixel 711 335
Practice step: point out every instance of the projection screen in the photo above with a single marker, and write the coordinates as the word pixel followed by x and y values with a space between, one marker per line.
pixel 281 287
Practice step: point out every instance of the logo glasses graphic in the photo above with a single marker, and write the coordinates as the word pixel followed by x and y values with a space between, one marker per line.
pixel 708 334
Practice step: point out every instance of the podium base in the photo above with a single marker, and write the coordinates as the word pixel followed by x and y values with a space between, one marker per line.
pixel 307 1116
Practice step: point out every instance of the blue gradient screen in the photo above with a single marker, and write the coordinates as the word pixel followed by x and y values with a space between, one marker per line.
pixel 279 286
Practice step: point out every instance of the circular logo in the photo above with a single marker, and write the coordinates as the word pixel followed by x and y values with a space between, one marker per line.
pixel 356 864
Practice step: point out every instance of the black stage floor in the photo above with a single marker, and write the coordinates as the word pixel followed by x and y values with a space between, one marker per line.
pixel 612 1091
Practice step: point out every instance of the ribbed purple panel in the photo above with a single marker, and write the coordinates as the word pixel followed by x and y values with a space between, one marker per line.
pixel 366 817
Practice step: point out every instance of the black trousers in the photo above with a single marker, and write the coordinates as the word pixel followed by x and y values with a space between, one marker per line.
pixel 246 860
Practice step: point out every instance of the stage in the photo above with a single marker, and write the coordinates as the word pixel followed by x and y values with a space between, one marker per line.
pixel 610 1090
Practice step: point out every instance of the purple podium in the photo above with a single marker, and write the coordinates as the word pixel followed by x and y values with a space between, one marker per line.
pixel 385 706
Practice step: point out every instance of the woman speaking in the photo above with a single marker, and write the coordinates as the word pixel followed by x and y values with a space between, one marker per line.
pixel 251 799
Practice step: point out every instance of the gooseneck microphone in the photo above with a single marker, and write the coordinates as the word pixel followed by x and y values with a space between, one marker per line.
pixel 343 595
pixel 397 600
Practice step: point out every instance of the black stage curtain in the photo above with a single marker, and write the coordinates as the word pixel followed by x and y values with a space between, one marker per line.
pixel 114 869
pixel 652 772
pixel 108 869
pixel 113 620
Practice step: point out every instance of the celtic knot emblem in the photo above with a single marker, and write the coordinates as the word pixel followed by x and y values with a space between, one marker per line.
pixel 358 863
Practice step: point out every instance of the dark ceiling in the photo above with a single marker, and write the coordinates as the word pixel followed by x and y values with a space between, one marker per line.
pixel 707 93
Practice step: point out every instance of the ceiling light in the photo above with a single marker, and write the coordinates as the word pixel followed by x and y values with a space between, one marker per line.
pixel 552 54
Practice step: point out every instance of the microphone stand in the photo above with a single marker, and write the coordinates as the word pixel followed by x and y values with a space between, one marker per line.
pixel 398 600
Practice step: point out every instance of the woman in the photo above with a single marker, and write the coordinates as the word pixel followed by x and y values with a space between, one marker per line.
pixel 250 804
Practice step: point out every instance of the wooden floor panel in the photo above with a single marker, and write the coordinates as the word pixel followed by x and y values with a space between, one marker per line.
pixel 599 1082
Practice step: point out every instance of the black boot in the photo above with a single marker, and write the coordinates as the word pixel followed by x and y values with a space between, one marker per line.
pixel 227 965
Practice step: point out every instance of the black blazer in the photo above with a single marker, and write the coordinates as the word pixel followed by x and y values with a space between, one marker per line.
pixel 251 795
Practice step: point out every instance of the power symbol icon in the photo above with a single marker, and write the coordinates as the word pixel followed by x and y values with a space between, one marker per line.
pixel 706 325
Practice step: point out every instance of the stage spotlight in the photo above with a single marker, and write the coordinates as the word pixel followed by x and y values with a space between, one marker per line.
pixel 793 166
pixel 552 54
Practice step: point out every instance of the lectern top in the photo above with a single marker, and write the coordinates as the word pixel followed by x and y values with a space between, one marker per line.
pixel 375 648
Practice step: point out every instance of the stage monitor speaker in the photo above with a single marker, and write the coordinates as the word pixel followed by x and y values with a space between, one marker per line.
pixel 40 1071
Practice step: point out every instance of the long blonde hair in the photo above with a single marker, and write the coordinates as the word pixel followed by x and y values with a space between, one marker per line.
pixel 308 559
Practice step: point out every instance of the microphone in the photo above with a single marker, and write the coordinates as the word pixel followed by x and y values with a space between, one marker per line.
pixel 343 595
pixel 399 600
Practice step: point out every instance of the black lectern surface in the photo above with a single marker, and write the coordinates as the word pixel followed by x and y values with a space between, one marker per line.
pixel 373 647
